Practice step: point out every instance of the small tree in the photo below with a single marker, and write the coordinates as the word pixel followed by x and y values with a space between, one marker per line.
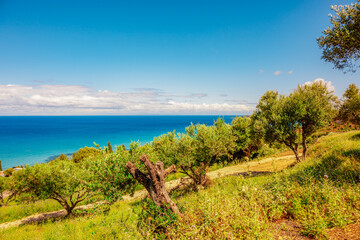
pixel 350 108
pixel 8 172
pixel 249 133
pixel 84 153
pixel 315 105
pixel 58 180
pixel 109 148
pixel 0 166
pixel 62 157
pixel 203 146
pixel 341 42
pixel 108 176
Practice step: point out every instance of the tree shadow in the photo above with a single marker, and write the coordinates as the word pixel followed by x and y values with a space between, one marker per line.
pixel 253 173
pixel 353 153
pixel 356 137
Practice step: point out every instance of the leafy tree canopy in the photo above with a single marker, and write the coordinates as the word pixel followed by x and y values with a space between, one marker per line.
pixel 350 108
pixel 341 42
pixel 292 119
pixel 108 176
pixel 62 181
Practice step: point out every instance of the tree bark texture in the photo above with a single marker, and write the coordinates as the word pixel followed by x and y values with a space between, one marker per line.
pixel 154 181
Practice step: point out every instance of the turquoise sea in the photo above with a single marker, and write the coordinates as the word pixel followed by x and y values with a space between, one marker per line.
pixel 32 139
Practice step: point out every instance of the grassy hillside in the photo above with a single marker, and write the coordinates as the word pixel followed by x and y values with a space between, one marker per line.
pixel 304 200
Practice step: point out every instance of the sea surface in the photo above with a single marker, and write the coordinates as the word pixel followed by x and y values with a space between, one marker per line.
pixel 33 139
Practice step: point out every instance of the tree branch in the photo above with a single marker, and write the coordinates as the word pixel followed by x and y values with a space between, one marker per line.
pixel 169 170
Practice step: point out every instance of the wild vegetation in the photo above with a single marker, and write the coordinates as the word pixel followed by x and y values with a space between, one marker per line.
pixel 319 193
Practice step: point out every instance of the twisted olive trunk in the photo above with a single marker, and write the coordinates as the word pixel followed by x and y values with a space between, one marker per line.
pixel 154 181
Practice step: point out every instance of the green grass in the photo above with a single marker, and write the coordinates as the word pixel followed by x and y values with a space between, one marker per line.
pixel 240 208
pixel 245 208
pixel 118 223
pixel 14 212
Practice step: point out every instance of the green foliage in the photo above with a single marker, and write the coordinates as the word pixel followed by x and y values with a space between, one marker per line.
pixel 279 114
pixel 249 134
pixel 153 221
pixel 3 187
pixel 341 42
pixel 83 153
pixel 9 172
pixel 109 148
pixel 0 166
pixel 203 146
pixel 107 174
pixel 62 157
pixel 320 193
pixel 350 108
pixel 58 180
pixel 292 119
pixel 246 208
pixel 165 148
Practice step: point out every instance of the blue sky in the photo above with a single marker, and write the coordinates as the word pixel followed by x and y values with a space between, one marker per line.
pixel 158 57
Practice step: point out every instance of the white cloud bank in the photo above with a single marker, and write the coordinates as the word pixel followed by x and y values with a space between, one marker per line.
pixel 80 100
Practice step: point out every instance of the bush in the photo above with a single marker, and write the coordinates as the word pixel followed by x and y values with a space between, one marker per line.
pixel 153 221
pixel 8 172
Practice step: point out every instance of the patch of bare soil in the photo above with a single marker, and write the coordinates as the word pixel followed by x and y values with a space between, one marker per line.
pixel 351 231
pixel 286 229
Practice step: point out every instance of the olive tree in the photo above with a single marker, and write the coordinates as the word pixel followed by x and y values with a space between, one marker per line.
pixel 280 116
pixel 62 181
pixel 292 119
pixel 340 43
pixel 315 106
pixel 350 107
pixel 249 133
pixel 108 176
pixel 202 146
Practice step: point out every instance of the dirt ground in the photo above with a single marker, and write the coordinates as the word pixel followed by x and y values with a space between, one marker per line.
pixel 349 232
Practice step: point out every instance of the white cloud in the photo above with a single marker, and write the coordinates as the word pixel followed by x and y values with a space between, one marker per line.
pixel 277 73
pixel 328 84
pixel 74 99
pixel 290 72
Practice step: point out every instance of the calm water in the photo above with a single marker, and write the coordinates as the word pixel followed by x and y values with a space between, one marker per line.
pixel 28 140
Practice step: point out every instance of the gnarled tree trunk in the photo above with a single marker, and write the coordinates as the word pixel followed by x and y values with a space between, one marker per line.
pixel 154 181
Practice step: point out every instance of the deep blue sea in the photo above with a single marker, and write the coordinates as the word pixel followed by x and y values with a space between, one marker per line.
pixel 32 139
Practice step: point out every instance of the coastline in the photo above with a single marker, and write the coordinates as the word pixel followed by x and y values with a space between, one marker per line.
pixel 34 139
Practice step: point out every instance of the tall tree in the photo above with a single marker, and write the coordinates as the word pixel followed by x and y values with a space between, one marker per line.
pixel 341 42
pixel 281 121
pixel 315 104
pixel 292 119
pixel 350 108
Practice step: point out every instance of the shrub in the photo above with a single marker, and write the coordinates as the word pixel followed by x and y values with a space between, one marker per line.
pixel 153 221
